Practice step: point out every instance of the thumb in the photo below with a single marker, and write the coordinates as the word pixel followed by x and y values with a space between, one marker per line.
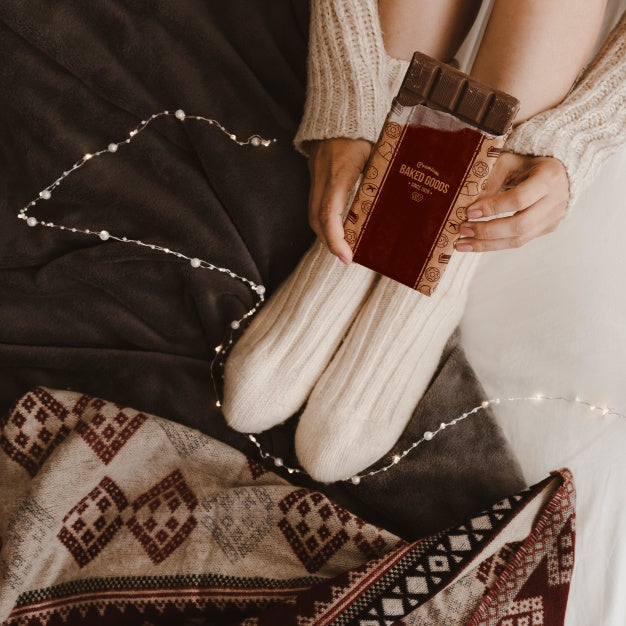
pixel 335 198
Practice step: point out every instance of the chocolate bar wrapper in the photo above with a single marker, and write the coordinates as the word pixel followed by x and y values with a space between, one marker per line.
pixel 427 167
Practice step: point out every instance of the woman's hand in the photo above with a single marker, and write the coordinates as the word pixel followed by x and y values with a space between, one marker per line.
pixel 534 189
pixel 335 166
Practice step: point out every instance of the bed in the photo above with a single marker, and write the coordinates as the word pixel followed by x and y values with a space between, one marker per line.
pixel 108 347
pixel 567 341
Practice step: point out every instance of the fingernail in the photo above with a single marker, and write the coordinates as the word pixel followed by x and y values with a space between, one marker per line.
pixel 466 231
pixel 344 259
pixel 464 247
pixel 474 213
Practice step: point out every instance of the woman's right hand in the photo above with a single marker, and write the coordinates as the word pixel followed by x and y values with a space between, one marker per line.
pixel 335 166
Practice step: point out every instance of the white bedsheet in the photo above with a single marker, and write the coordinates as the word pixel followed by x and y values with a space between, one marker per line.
pixel 551 318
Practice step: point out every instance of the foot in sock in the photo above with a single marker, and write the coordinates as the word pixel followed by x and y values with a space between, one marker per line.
pixel 273 367
pixel 366 396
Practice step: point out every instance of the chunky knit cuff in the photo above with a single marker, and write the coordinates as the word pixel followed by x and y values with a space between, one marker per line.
pixel 589 125
pixel 349 73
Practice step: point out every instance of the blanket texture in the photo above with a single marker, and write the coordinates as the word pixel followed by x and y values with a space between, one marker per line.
pixel 138 327
pixel 112 516
pixel 116 320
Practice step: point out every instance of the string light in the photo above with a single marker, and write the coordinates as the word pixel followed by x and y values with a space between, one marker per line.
pixel 222 349
pixel 429 435
pixel 104 235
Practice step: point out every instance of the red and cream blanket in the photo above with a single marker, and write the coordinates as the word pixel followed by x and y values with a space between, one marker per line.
pixel 112 516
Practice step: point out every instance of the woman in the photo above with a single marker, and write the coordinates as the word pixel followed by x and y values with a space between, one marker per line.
pixel 361 350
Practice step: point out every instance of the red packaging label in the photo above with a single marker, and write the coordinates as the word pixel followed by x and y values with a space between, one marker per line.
pixel 424 172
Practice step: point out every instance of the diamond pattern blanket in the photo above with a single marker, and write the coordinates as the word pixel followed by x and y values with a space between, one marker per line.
pixel 112 516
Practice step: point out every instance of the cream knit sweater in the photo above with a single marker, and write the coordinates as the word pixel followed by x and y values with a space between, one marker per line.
pixel 351 81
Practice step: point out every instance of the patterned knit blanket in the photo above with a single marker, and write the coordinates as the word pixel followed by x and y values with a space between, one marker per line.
pixel 112 516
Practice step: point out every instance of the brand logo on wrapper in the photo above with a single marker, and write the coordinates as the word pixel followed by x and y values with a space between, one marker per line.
pixel 421 177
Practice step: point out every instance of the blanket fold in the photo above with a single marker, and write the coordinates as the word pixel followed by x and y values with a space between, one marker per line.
pixel 112 516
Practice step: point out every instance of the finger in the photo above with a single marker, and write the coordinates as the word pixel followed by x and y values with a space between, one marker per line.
pixel 528 221
pixel 520 197
pixel 332 204
pixel 335 165
pixel 470 245
pixel 513 200
pixel 315 198
pixel 506 165
pixel 511 232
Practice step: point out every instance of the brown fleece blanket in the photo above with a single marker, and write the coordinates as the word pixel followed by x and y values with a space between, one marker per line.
pixel 137 327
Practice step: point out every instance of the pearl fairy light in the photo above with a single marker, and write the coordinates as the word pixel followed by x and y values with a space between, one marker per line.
pixel 222 349
pixel 255 141
pixel 429 435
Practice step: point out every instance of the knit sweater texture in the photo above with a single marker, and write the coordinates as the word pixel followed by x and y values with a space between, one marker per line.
pixel 351 81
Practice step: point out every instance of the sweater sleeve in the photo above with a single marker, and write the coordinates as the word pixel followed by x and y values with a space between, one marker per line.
pixel 351 79
pixel 589 125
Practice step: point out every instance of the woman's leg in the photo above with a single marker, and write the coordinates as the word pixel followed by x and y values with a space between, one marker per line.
pixel 535 49
pixel 365 398
pixel 398 336
pixel 274 366
pixel 432 27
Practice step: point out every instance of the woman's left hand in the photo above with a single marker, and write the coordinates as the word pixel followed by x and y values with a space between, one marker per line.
pixel 534 189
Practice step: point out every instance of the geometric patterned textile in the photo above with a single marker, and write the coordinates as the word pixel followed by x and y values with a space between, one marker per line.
pixel 316 529
pixel 93 521
pixel 162 517
pixel 109 429
pixel 118 518
pixel 494 569
pixel 37 425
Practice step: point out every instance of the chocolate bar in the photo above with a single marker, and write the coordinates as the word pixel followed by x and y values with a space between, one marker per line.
pixel 441 86
pixel 441 138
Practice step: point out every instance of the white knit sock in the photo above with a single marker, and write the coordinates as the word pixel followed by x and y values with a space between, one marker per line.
pixel 277 361
pixel 365 397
